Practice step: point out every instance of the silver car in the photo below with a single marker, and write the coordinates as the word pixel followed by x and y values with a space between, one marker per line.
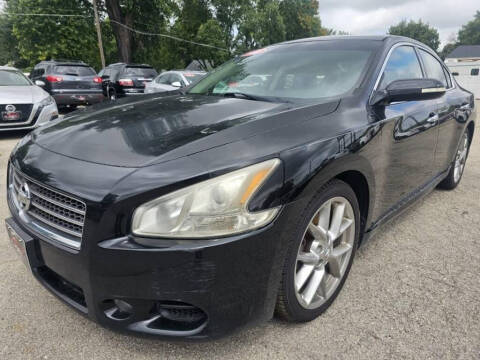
pixel 172 80
pixel 23 105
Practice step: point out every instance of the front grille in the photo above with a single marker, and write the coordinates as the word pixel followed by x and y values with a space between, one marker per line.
pixel 61 213
pixel 25 109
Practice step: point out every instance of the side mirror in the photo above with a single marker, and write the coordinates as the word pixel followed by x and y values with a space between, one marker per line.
pixel 409 90
pixel 176 84
pixel 39 83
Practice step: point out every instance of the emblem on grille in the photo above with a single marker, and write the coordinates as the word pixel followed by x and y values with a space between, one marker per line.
pixel 24 197
pixel 10 108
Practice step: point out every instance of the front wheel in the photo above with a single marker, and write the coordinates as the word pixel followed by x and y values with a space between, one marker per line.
pixel 112 94
pixel 319 259
pixel 456 171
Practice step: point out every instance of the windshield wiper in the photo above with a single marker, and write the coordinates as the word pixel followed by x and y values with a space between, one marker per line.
pixel 245 96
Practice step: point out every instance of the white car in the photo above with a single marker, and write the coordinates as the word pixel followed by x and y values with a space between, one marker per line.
pixel 172 80
pixel 23 105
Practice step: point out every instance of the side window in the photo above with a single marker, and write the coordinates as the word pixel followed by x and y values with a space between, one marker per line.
pixel 474 72
pixel 163 79
pixel 175 78
pixel 402 64
pixel 433 68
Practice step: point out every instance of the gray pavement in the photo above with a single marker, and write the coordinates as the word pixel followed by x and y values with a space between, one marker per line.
pixel 413 293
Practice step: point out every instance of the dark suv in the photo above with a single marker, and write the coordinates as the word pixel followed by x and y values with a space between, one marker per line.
pixel 122 79
pixel 71 83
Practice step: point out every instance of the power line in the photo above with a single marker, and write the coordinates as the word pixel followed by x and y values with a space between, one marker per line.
pixel 125 26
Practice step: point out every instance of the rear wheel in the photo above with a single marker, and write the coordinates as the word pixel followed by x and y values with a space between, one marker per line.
pixel 456 171
pixel 112 94
pixel 319 259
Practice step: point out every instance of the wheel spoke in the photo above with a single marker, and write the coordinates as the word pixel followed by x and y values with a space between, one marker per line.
pixel 317 232
pixel 337 217
pixel 313 285
pixel 335 259
pixel 346 223
pixel 302 276
pixel 322 288
pixel 309 258
pixel 324 216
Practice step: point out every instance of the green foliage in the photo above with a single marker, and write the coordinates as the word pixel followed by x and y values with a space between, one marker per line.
pixel 41 38
pixel 417 30
pixel 447 49
pixel 234 25
pixel 470 33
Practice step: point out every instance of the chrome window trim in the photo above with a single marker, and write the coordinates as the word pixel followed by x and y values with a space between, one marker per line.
pixel 387 57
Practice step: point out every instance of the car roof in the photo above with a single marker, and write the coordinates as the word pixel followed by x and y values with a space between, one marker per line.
pixel 9 68
pixel 130 64
pixel 392 38
pixel 63 62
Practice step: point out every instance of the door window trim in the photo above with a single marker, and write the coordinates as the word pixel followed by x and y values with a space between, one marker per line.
pixel 387 57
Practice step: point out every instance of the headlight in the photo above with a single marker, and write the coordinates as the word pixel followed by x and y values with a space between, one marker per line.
pixel 215 207
pixel 47 101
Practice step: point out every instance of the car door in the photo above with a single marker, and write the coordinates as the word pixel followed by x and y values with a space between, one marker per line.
pixel 453 106
pixel 408 133
pixel 163 83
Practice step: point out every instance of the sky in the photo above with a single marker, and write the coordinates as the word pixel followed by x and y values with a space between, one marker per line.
pixel 374 17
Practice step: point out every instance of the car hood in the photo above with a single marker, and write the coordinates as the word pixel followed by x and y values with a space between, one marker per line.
pixel 21 94
pixel 157 128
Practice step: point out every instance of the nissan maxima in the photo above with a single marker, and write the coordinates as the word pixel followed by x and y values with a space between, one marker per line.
pixel 197 212
pixel 23 105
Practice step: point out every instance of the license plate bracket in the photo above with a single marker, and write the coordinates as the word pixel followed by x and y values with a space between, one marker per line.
pixel 11 115
pixel 22 243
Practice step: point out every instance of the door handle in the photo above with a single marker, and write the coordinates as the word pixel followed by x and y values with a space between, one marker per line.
pixel 432 118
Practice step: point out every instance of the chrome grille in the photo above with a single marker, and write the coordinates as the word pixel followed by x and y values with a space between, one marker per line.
pixel 63 214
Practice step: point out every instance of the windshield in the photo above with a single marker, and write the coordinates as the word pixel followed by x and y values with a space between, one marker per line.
pixel 74 70
pixel 299 71
pixel 193 77
pixel 140 71
pixel 13 78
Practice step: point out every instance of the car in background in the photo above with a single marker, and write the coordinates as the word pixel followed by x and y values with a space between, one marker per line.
pixel 23 105
pixel 172 80
pixel 71 83
pixel 123 79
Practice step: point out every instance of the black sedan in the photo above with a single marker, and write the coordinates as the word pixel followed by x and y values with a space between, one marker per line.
pixel 195 212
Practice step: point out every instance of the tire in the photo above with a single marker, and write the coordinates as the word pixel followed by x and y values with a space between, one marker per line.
pixel 295 302
pixel 458 166
pixel 112 94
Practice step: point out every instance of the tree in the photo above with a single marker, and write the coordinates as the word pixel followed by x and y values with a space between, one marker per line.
pixel 417 30
pixel 41 38
pixel 211 33
pixel 447 49
pixel 301 19
pixel 263 26
pixel 469 34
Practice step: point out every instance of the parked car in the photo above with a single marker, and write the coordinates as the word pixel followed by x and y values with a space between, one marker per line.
pixel 201 211
pixel 23 105
pixel 71 83
pixel 126 79
pixel 172 80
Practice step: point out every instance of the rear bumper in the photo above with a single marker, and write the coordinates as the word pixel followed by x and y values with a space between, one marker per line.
pixel 228 283
pixel 63 97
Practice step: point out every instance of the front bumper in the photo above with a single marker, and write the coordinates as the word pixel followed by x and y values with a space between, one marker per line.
pixel 214 286
pixel 38 117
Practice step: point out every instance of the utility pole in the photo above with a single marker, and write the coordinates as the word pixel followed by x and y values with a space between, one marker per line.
pixel 99 33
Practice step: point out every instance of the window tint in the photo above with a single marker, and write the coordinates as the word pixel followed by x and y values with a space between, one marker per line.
pixel 163 79
pixel 402 64
pixel 474 72
pixel 433 68
pixel 13 78
pixel 74 70
pixel 176 78
pixel 140 71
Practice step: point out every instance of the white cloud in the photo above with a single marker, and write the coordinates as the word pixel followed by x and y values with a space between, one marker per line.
pixel 374 17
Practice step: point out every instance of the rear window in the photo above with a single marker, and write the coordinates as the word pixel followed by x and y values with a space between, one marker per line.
pixel 140 71
pixel 73 70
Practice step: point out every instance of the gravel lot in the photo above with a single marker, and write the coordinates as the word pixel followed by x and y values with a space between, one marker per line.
pixel 413 293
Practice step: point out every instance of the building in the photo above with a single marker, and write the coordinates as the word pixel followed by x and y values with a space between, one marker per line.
pixel 464 64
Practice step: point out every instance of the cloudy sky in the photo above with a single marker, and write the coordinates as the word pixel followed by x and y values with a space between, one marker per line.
pixel 370 17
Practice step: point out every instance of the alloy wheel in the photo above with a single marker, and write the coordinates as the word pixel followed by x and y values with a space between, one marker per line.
pixel 324 252
pixel 460 158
